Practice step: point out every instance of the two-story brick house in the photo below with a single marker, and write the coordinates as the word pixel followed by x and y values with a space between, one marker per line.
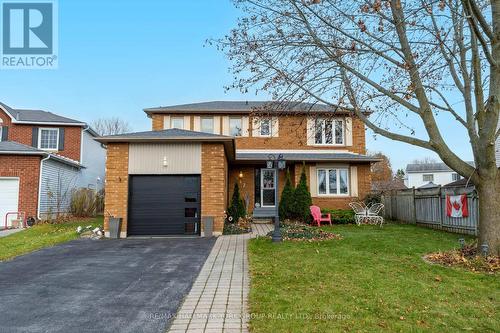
pixel 167 180
pixel 43 156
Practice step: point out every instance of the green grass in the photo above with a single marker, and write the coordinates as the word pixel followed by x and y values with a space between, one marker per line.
pixel 40 236
pixel 372 280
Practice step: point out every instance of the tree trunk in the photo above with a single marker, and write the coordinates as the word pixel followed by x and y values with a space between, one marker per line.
pixel 489 214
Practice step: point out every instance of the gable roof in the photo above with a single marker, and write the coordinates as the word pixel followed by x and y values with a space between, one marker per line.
pixel 429 167
pixel 168 134
pixel 244 107
pixel 23 116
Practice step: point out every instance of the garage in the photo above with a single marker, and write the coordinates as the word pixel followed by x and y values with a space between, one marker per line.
pixel 9 197
pixel 164 205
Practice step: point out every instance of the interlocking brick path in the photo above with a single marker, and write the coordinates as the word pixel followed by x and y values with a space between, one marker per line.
pixel 218 299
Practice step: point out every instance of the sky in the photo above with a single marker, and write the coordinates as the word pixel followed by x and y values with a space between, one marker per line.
pixel 119 57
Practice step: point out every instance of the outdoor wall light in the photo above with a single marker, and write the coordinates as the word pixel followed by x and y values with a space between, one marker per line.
pixel 241 174
pixel 165 163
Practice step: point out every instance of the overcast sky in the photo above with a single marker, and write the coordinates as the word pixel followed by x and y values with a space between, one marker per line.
pixel 118 57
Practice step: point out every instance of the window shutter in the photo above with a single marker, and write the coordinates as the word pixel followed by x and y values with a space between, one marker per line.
pixel 354 181
pixel 275 127
pixel 5 133
pixel 313 181
pixel 34 137
pixel 348 131
pixel 61 139
pixel 255 127
pixel 217 125
pixel 197 123
pixel 244 126
pixel 310 131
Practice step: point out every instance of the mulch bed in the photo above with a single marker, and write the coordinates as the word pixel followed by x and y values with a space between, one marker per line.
pixel 304 232
pixel 467 258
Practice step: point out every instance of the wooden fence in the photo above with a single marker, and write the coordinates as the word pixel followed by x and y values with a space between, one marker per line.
pixel 427 207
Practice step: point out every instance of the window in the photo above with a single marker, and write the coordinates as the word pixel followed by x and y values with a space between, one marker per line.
pixel 1 128
pixel 48 138
pixel 235 127
pixel 333 182
pixel 177 122
pixel 329 132
pixel 207 125
pixel 455 177
pixel 428 178
pixel 265 127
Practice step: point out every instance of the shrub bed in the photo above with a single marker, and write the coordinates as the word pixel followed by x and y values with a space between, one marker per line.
pixel 295 231
pixel 467 258
pixel 340 216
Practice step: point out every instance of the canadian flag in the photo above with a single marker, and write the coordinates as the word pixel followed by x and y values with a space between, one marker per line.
pixel 456 205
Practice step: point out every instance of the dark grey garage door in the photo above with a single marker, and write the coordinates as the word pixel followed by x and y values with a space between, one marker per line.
pixel 164 205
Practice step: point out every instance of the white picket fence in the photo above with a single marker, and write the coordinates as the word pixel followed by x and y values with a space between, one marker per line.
pixel 427 207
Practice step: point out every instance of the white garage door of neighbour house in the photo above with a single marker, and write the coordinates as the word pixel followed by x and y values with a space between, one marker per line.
pixel 9 197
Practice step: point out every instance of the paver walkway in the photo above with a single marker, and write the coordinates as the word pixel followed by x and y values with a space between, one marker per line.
pixel 217 301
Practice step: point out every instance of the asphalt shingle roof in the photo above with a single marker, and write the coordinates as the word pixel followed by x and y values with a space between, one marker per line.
pixel 427 167
pixel 38 116
pixel 166 134
pixel 11 146
pixel 241 156
pixel 244 107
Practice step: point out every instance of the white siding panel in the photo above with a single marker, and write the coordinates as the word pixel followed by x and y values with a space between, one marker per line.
pixel 348 131
pixel 166 122
pixel 217 125
pixel 165 158
pixel 354 181
pixel 57 183
pixel 245 124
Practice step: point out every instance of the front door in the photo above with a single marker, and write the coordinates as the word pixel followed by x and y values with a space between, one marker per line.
pixel 268 187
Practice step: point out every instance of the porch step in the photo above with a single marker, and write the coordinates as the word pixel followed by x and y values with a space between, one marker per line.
pixel 262 220
pixel 263 215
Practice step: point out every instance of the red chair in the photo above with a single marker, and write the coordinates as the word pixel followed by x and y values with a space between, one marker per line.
pixel 318 217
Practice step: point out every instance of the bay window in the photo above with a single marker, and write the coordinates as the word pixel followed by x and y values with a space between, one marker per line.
pixel 333 181
pixel 329 132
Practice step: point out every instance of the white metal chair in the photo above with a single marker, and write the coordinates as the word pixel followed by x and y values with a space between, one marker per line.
pixel 373 214
pixel 360 211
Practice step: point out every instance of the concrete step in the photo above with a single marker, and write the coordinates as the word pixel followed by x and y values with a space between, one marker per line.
pixel 262 220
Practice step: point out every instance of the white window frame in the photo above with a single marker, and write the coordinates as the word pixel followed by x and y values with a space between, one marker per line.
pixel 40 130
pixel 213 124
pixel 172 119
pixel 327 173
pixel 240 128
pixel 454 176
pixel 270 127
pixel 1 129
pixel 334 134
pixel 428 174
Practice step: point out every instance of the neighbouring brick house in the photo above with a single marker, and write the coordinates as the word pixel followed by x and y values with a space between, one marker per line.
pixel 43 157
pixel 166 181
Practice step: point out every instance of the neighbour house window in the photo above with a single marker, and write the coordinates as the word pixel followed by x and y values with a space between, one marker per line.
pixel 177 122
pixel 333 181
pixel 329 132
pixel 265 127
pixel 1 128
pixel 207 124
pixel 235 127
pixel 428 178
pixel 48 138
pixel 455 177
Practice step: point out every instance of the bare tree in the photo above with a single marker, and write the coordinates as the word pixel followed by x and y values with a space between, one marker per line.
pixel 110 126
pixel 407 61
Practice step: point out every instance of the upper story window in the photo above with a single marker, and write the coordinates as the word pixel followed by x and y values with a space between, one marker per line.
pixel 1 129
pixel 235 126
pixel 48 139
pixel 207 124
pixel 455 177
pixel 329 132
pixel 177 122
pixel 333 181
pixel 428 178
pixel 265 127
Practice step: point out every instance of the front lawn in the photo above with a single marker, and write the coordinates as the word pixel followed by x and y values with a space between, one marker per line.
pixel 374 279
pixel 40 236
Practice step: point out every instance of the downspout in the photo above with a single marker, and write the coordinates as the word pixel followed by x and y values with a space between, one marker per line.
pixel 40 186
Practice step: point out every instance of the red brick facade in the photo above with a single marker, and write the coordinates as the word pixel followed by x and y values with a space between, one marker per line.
pixel 23 134
pixel 27 168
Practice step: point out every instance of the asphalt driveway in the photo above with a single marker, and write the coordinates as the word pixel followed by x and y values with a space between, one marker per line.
pixel 130 285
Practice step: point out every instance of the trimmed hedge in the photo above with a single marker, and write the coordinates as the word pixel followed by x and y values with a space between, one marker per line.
pixel 340 216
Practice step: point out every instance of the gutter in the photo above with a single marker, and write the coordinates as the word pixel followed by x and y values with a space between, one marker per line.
pixel 40 186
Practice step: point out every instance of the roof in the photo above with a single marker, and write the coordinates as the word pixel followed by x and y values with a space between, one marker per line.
pixel 243 107
pixel 462 182
pixel 38 117
pixel 16 148
pixel 428 167
pixel 168 134
pixel 428 185
pixel 306 156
